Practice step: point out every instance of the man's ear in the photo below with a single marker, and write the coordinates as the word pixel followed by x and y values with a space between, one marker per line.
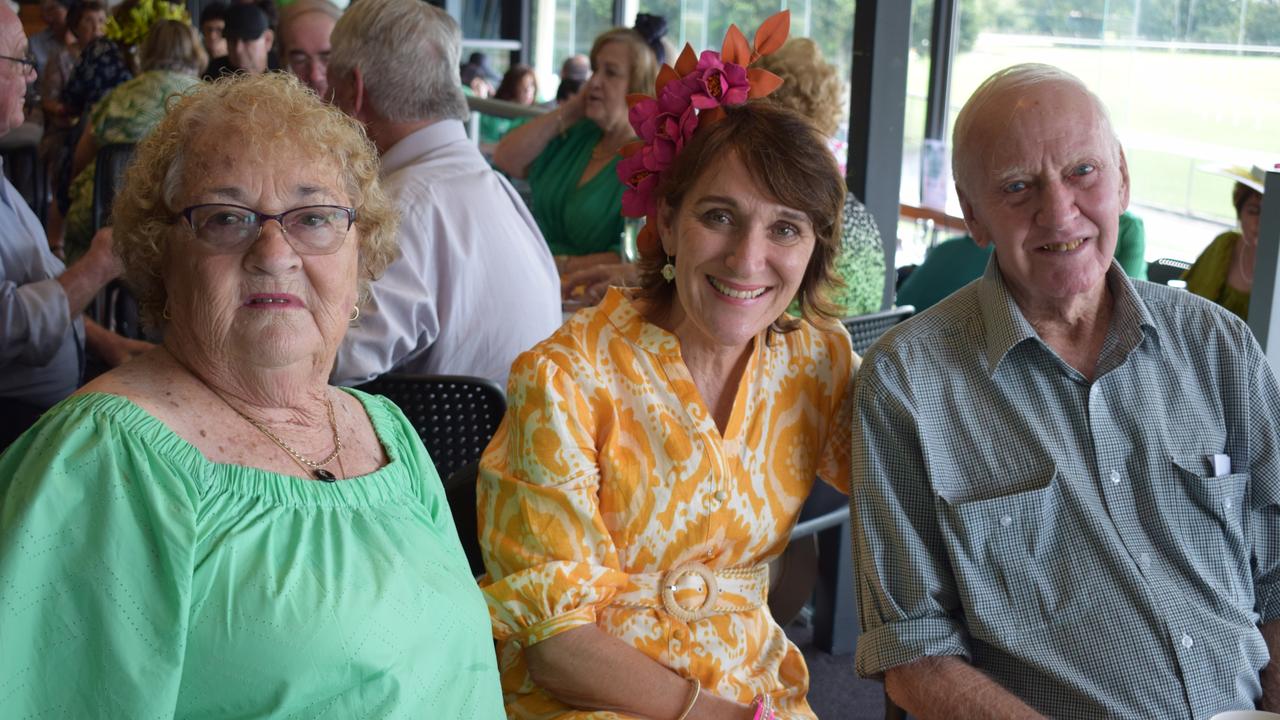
pixel 270 36
pixel 359 101
pixel 1124 180
pixel 976 230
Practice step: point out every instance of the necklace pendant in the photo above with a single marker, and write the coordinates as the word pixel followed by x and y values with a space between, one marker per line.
pixel 325 475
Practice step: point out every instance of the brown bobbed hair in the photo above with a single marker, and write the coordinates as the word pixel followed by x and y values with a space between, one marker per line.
pixel 789 158
pixel 277 118
pixel 644 64
pixel 511 82
pixel 1241 194
pixel 175 46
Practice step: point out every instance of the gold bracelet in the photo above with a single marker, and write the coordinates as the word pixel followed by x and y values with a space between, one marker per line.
pixel 693 698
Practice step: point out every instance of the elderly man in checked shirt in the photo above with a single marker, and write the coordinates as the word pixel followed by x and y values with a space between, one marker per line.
pixel 1065 482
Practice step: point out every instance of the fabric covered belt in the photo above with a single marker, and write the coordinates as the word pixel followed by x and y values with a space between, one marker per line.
pixel 693 591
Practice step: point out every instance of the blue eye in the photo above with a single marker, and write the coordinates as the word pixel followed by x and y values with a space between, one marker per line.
pixel 1083 169
pixel 1016 186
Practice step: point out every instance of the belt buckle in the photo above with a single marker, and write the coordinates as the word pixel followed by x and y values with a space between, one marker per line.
pixel 672 576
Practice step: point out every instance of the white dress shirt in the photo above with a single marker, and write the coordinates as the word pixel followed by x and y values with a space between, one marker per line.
pixel 41 348
pixel 474 285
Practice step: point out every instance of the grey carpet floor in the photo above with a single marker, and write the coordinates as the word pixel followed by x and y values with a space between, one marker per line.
pixel 835 691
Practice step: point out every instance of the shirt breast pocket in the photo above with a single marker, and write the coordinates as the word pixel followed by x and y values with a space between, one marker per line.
pixel 1014 568
pixel 1210 517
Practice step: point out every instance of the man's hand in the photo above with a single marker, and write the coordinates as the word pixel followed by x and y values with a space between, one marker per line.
pixel 91 273
pixel 949 687
pixel 102 255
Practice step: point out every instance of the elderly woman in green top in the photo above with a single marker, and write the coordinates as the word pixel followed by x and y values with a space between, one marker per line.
pixel 1224 271
pixel 212 530
pixel 569 155
pixel 171 58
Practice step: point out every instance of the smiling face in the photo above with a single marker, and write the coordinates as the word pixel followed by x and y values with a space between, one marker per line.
pixel 267 306
pixel 606 91
pixel 740 257
pixel 1048 186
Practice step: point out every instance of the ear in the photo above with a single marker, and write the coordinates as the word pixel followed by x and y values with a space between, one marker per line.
pixel 1124 179
pixel 270 36
pixel 976 230
pixel 666 224
pixel 358 99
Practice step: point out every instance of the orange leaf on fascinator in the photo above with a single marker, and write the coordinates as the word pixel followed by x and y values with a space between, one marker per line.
pixel 630 148
pixel 635 98
pixel 735 49
pixel 762 82
pixel 665 75
pixel 773 33
pixel 707 117
pixel 687 61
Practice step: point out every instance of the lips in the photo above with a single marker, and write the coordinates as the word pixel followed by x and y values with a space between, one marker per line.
pixel 737 293
pixel 273 301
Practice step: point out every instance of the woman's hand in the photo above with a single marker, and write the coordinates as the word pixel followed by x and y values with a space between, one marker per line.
pixel 519 148
pixel 589 284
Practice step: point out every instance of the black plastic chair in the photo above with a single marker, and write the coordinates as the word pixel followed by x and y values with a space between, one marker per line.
pixel 108 169
pixel 23 168
pixel 456 416
pixel 866 329
pixel 1165 269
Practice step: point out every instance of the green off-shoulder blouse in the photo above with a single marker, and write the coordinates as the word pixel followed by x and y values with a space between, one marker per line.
pixel 140 580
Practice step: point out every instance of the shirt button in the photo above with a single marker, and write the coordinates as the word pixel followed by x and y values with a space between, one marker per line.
pixel 1006 521
pixel 1187 642
pixel 1227 503
pixel 721 495
pixel 1115 477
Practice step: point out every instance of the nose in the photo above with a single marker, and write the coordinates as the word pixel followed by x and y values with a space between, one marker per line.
pixel 271 253
pixel 747 256
pixel 1057 206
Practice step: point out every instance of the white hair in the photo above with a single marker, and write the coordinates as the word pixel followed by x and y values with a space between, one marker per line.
pixel 1011 80
pixel 298 8
pixel 408 53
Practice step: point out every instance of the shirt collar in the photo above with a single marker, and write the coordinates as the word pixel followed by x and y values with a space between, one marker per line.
pixel 1006 327
pixel 619 306
pixel 413 146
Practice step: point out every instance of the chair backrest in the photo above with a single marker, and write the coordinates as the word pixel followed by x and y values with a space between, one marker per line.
pixel 23 168
pixel 455 415
pixel 110 165
pixel 1165 269
pixel 866 329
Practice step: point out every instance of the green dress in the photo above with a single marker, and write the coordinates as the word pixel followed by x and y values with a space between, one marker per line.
pixel 1208 276
pixel 124 115
pixel 140 580
pixel 576 220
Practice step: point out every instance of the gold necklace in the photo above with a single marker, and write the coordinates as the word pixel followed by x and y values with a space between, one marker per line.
pixel 317 469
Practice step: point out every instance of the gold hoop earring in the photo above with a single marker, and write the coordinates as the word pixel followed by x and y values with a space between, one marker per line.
pixel 355 313
pixel 669 270
pixel 164 312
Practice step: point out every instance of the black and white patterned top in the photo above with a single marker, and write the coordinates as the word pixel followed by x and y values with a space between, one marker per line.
pixel 1071 538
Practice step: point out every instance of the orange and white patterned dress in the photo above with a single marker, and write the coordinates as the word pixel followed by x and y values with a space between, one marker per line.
pixel 608 472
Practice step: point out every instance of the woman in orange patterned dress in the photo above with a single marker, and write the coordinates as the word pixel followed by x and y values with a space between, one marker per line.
pixel 658 447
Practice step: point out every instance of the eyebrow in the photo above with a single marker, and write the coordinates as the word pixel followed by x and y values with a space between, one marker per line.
pixel 304 192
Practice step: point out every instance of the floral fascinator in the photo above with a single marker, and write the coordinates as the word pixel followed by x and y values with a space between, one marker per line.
pixel 691 95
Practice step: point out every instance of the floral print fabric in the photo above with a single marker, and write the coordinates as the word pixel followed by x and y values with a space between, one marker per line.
pixel 609 465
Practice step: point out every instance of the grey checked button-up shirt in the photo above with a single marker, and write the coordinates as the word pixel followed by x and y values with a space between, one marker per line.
pixel 1070 538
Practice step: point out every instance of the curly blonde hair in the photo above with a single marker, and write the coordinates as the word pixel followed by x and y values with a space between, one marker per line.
pixel 265 111
pixel 810 85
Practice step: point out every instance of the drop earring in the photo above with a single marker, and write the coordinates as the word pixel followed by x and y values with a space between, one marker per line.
pixel 669 270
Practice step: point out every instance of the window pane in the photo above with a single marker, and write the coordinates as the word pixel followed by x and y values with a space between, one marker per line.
pixel 1188 85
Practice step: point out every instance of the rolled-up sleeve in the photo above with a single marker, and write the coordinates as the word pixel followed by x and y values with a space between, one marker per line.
pixel 1264 477
pixel 33 319
pixel 906 592
pixel 550 558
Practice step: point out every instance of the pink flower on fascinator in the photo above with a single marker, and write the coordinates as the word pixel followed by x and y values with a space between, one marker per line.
pixel 639 175
pixel 719 83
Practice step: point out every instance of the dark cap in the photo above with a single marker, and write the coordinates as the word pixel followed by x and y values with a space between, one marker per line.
pixel 245 22
pixel 478 64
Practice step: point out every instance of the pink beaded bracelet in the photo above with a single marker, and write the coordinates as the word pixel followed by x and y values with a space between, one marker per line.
pixel 764 707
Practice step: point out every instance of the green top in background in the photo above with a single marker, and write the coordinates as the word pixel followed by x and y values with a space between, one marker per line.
pixel 140 580
pixel 576 220
pixel 1208 276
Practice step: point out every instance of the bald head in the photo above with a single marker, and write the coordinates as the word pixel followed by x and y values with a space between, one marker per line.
pixel 13 74
pixel 986 116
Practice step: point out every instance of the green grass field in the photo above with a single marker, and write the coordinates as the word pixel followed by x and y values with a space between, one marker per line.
pixel 1175 111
